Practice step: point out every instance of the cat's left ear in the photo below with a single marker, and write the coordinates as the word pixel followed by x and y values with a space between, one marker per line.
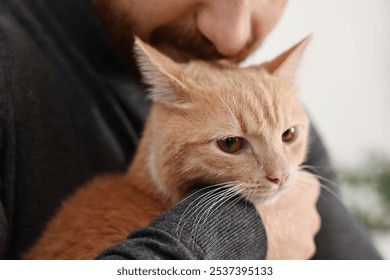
pixel 286 64
pixel 161 74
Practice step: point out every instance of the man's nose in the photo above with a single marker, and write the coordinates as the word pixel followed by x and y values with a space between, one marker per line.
pixel 228 24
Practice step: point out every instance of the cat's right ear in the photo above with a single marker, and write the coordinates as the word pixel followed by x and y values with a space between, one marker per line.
pixel 161 74
pixel 286 64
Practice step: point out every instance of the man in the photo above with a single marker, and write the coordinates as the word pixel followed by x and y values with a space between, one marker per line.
pixel 72 107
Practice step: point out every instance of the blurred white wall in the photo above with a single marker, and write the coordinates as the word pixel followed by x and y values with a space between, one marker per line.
pixel 345 76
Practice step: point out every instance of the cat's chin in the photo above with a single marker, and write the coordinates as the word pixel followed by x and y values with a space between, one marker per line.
pixel 269 197
pixel 265 198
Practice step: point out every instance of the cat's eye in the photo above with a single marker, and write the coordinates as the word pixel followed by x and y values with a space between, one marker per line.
pixel 231 145
pixel 289 135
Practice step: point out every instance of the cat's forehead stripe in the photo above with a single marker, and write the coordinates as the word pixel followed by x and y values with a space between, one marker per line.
pixel 258 110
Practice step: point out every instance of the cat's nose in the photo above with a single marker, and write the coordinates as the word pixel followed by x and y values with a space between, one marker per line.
pixel 277 178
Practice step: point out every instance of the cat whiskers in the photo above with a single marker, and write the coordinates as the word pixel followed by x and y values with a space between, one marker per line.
pixel 248 195
pixel 223 101
pixel 321 179
pixel 216 203
pixel 213 189
pixel 314 168
pixel 206 205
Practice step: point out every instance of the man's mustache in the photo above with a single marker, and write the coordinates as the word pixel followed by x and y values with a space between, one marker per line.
pixel 185 39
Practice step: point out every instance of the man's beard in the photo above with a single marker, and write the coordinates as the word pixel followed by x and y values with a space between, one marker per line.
pixel 181 40
pixel 184 38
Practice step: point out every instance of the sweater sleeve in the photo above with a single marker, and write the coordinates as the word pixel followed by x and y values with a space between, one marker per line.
pixel 194 230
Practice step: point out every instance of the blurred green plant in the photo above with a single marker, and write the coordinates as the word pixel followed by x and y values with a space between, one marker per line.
pixel 372 176
pixel 383 182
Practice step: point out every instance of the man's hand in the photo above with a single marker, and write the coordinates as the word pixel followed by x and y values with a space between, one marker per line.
pixel 292 221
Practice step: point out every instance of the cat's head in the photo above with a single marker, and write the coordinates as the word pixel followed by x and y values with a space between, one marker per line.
pixel 214 123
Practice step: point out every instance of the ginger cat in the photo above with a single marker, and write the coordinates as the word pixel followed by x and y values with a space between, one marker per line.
pixel 210 123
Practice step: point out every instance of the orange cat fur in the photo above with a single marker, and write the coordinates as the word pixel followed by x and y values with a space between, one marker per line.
pixel 210 123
